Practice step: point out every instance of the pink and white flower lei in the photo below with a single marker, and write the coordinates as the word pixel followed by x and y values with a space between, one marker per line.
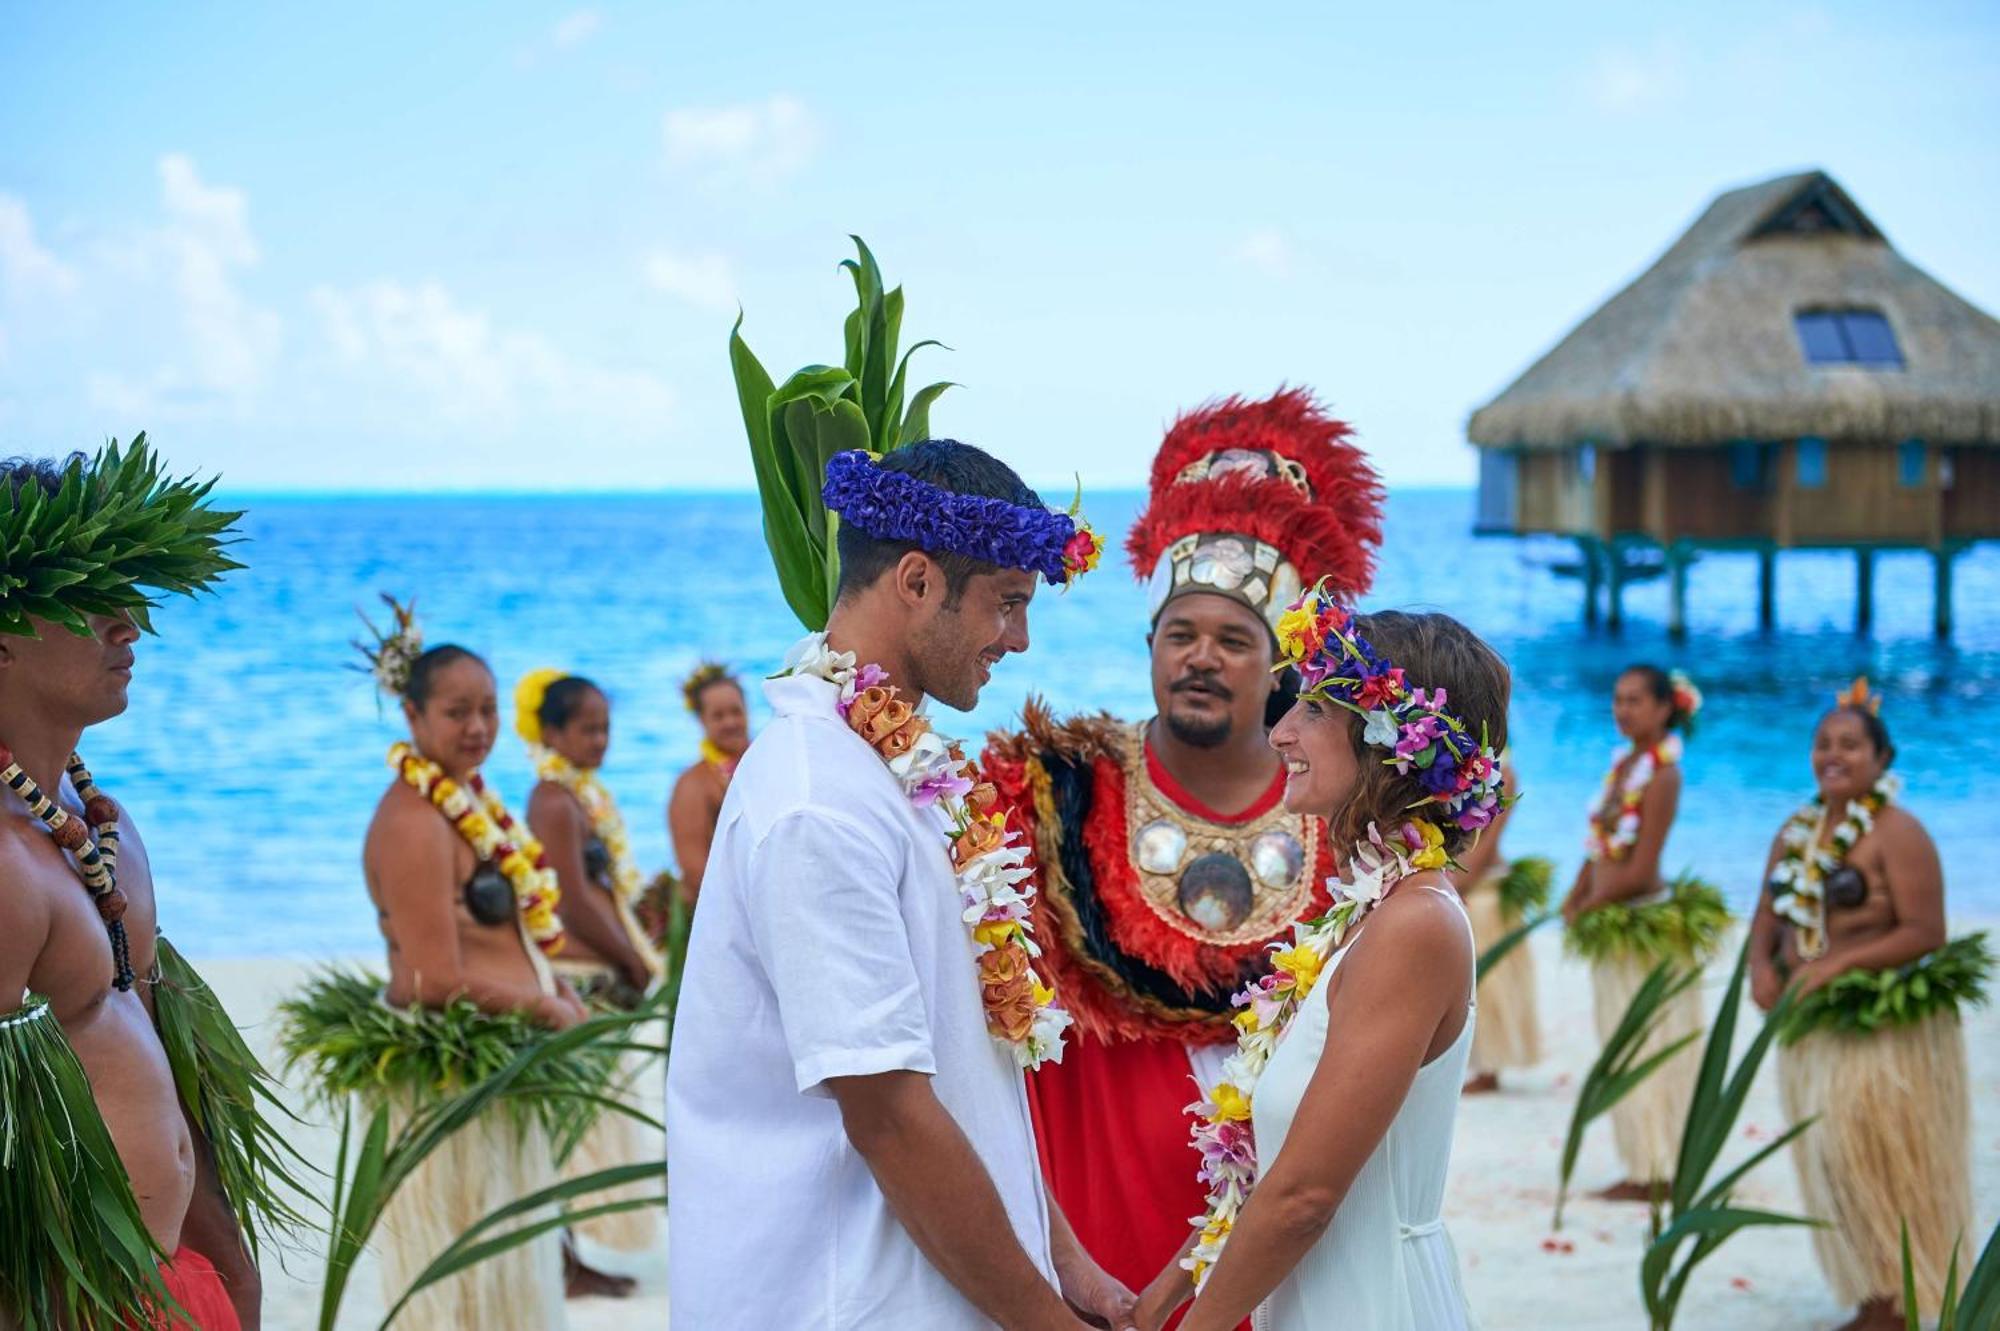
pixel 995 893
pixel 1222 1133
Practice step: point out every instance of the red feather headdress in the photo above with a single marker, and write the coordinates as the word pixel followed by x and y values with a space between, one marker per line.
pixel 1282 475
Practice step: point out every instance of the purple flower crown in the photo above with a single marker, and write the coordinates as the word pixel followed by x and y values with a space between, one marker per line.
pixel 894 506
pixel 1458 772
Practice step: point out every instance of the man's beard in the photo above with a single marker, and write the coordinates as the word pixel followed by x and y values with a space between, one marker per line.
pixel 1200 732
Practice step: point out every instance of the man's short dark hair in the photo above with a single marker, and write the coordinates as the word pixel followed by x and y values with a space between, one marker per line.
pixel 949 465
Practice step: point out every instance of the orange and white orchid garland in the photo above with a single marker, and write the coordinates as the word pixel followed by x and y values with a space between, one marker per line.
pixel 994 887
pixel 483 821
pixel 1614 831
pixel 1222 1134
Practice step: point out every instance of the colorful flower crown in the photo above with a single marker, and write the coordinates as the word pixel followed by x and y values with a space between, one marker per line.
pixel 1457 772
pixel 894 506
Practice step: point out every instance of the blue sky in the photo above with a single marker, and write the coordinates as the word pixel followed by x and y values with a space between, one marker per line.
pixel 500 246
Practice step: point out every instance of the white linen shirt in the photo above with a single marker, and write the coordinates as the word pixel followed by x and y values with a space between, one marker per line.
pixel 828 944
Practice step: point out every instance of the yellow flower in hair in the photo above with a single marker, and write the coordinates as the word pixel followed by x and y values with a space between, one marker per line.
pixel 528 695
pixel 1431 854
pixel 1294 626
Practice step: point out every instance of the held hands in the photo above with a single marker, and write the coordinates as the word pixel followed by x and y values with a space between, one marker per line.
pixel 1097 1296
pixel 1159 1300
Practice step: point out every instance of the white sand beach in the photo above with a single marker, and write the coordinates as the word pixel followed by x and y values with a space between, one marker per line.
pixel 1518 1274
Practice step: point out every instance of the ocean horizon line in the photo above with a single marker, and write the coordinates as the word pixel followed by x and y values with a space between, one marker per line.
pixel 254 495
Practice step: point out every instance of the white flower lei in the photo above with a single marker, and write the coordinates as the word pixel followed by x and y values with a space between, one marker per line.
pixel 1798 891
pixel 994 888
pixel 1624 834
pixel 1222 1133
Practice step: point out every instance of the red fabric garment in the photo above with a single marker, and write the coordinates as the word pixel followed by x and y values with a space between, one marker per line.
pixel 1115 1151
pixel 197 1287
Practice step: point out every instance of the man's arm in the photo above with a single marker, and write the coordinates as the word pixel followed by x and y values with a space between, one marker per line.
pixel 937 1187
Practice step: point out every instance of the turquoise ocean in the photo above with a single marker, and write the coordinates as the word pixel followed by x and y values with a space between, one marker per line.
pixel 252 754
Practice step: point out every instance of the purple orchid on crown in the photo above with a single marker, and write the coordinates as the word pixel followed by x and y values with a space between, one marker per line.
pixel 893 506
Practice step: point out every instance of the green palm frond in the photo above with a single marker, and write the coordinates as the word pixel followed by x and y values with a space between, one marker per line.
pixel 1685 927
pixel 794 428
pixel 1524 889
pixel 1619 1068
pixel 541 1070
pixel 1698 1215
pixel 74 1251
pixel 1861 1002
pixel 233 1100
pixel 118 529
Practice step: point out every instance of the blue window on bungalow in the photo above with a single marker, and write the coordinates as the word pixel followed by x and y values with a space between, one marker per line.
pixel 1811 466
pixel 1586 463
pixel 1910 457
pixel 1848 337
pixel 1746 465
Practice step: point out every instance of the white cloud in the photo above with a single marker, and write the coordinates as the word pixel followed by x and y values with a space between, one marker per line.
pixel 754 143
pixel 173 333
pixel 456 364
pixel 577 28
pixel 1621 80
pixel 1266 250
pixel 704 280
pixel 26 269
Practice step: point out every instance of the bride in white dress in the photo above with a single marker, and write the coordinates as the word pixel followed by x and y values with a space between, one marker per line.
pixel 1355 1049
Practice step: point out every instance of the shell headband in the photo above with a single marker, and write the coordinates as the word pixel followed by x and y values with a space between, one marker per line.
pixel 1460 773
pixel 893 506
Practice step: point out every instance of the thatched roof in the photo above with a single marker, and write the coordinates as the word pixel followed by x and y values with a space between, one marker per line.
pixel 1702 348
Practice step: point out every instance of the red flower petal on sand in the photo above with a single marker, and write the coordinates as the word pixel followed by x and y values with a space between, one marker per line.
pixel 1742 1283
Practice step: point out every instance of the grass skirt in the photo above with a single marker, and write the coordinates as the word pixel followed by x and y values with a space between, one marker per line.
pixel 1647 1123
pixel 617 1140
pixel 1891 1145
pixel 485 1165
pixel 1509 1031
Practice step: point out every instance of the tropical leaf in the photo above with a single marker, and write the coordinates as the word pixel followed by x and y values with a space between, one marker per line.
pixel 795 428
pixel 1700 1215
pixel 115 531
pixel 1507 942
pixel 1860 1002
pixel 385 1163
pixel 1619 1069
pixel 1686 926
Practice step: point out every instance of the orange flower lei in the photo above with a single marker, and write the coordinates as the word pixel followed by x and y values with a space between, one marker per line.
pixel 483 821
pixel 993 882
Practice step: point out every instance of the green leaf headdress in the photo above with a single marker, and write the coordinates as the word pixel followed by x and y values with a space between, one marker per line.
pixel 117 529
pixel 822 410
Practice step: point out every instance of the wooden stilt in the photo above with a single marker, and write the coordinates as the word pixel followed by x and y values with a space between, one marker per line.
pixel 1941 591
pixel 1767 588
pixel 1864 590
pixel 1614 572
pixel 1592 575
pixel 1677 593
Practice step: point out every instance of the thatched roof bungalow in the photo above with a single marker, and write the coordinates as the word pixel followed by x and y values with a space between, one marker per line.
pixel 1781 377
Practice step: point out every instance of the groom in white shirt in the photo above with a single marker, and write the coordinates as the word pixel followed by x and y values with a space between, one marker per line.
pixel 848 1145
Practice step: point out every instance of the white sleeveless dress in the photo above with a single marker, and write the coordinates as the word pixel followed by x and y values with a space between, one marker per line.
pixel 1385 1263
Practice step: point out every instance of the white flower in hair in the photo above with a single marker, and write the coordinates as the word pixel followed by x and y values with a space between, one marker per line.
pixel 1381 730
